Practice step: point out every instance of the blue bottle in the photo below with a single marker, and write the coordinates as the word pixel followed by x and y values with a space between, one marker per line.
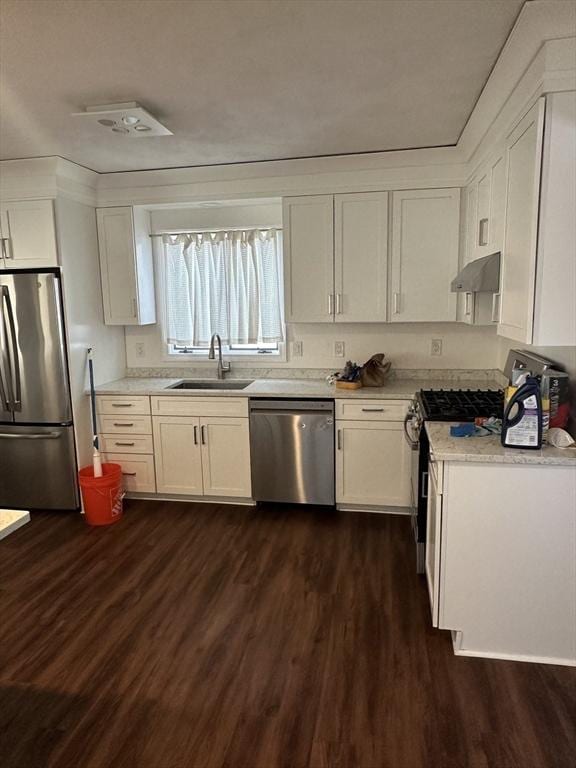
pixel 522 420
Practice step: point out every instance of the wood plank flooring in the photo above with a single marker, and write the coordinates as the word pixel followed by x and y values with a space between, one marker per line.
pixel 208 636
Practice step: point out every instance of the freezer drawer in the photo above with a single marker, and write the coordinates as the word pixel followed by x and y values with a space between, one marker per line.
pixel 38 468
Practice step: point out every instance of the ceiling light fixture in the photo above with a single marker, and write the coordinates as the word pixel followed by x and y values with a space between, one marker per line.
pixel 128 119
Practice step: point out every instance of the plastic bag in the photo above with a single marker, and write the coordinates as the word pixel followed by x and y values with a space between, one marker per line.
pixel 375 371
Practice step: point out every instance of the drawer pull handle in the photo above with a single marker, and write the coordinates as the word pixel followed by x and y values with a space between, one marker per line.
pixel 123 424
pixel 124 444
pixel 122 405
pixel 129 474
pixel 373 410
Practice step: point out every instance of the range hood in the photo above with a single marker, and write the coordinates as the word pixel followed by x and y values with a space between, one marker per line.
pixel 479 275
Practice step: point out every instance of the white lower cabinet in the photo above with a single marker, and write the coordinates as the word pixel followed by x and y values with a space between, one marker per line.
pixel 202 456
pixel 137 471
pixel 225 457
pixel 434 537
pixel 500 559
pixel 177 452
pixel 373 462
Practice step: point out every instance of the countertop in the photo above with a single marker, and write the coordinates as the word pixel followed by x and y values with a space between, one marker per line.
pixel 395 389
pixel 488 449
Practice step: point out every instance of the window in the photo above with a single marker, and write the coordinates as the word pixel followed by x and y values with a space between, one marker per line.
pixel 229 283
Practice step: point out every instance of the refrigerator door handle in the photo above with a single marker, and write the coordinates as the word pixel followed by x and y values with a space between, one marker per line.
pixel 32 436
pixel 5 367
pixel 13 359
pixel 4 402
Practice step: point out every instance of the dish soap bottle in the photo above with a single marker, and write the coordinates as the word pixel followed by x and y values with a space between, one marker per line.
pixel 522 420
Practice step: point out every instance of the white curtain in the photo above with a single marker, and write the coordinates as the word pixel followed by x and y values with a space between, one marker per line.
pixel 224 282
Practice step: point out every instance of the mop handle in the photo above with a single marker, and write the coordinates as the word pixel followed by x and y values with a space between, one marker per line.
pixel 92 397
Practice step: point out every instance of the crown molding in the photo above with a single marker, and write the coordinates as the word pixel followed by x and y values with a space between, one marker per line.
pixel 46 177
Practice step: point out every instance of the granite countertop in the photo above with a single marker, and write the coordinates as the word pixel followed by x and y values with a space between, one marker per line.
pixel 395 389
pixel 488 449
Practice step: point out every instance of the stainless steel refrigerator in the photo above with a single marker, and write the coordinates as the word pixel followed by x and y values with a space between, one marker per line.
pixel 37 454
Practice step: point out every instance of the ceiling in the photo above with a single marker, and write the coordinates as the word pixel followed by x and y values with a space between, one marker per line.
pixel 243 80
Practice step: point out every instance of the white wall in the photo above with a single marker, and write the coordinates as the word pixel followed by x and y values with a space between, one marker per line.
pixel 408 346
pixel 78 247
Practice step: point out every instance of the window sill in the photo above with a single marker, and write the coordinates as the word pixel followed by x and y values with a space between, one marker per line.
pixel 198 358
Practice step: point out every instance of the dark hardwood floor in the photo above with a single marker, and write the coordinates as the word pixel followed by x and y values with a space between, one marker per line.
pixel 201 636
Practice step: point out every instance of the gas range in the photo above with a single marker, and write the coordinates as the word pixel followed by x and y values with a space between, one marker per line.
pixel 459 404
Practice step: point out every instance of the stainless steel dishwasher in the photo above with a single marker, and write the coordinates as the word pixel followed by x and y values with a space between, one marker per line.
pixel 292 450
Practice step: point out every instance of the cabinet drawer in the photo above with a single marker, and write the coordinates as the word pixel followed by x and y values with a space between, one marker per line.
pixel 126 443
pixel 137 471
pixel 125 425
pixel 372 410
pixel 122 404
pixel 200 406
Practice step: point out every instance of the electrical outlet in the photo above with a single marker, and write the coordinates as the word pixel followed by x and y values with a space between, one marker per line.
pixel 339 349
pixel 140 349
pixel 436 347
pixel 297 349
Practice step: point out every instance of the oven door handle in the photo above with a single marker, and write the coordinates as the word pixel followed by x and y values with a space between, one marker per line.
pixel 409 438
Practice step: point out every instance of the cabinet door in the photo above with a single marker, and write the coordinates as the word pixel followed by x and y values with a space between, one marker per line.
pixel 226 457
pixel 482 233
pixel 425 244
pixel 177 454
pixel 372 464
pixel 308 224
pixel 125 267
pixel 524 154
pixel 466 311
pixel 361 257
pixel 433 540
pixel 29 234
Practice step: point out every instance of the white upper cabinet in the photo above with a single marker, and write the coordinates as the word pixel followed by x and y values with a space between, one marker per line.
pixel 555 301
pixel 336 258
pixel 524 153
pixel 485 208
pixel 308 224
pixel 360 257
pixel 425 246
pixel 126 266
pixel 28 234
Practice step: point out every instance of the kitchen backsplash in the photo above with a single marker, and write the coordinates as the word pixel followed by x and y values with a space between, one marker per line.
pixel 435 374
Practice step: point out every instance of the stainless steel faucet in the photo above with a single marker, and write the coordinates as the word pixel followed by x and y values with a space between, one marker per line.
pixel 222 367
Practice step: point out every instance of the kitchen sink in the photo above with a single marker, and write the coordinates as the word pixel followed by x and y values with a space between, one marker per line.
pixel 210 385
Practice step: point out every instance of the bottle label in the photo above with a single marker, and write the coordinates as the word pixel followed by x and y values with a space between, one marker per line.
pixel 526 432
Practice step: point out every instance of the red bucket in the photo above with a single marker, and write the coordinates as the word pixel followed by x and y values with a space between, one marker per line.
pixel 102 496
